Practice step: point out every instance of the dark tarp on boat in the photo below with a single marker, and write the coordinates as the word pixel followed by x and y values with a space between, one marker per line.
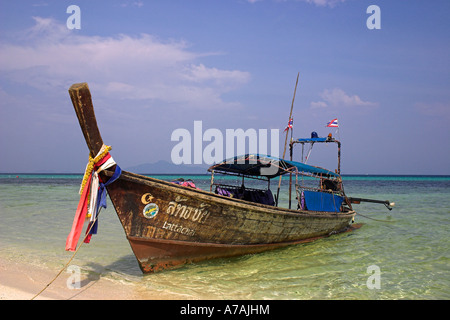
pixel 268 166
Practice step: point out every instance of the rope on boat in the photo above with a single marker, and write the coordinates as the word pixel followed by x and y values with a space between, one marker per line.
pixel 90 166
pixel 90 204
pixel 70 260
pixel 374 218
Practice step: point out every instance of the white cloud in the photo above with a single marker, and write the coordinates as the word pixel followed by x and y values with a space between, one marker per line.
pixel 200 73
pixel 128 3
pixel 338 98
pixel 318 104
pixel 139 67
pixel 320 3
pixel 323 3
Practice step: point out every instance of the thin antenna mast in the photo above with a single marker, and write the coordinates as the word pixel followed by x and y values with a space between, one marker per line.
pixel 287 134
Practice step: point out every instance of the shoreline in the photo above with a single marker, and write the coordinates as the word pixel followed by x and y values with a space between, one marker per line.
pixel 23 281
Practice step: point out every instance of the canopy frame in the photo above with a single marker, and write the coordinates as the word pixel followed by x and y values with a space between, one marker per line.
pixel 312 141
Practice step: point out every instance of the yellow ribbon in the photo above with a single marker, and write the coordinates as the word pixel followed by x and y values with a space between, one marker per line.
pixel 90 166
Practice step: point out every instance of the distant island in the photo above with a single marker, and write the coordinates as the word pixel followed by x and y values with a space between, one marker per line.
pixel 165 167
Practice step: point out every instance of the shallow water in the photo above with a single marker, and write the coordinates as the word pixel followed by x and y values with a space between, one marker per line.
pixel 409 247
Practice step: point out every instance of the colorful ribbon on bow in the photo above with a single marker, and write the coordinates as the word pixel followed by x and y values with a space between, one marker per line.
pixel 93 196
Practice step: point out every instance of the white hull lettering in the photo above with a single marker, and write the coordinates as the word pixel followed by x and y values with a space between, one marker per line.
pixel 198 215
pixel 178 228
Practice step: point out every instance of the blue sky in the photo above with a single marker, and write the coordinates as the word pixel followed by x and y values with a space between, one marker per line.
pixel 155 66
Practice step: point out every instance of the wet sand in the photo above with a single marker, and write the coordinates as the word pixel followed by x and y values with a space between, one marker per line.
pixel 23 282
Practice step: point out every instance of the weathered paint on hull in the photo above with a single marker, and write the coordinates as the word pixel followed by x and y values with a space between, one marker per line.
pixel 168 225
pixel 156 255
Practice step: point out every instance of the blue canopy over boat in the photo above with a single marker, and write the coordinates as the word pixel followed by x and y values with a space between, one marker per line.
pixel 317 171
pixel 313 140
pixel 268 166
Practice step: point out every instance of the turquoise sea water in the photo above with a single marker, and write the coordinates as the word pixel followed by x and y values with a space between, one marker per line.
pixel 409 248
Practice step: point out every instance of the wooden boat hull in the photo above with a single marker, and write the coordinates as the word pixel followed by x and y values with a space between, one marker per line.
pixel 168 225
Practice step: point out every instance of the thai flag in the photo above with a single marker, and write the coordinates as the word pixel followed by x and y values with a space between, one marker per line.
pixel 290 124
pixel 333 123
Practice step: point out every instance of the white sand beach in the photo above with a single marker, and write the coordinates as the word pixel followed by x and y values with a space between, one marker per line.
pixel 23 282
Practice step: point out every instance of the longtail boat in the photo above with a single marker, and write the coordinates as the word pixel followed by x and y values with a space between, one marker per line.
pixel 169 224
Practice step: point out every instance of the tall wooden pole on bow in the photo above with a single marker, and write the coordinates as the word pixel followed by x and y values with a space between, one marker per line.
pixel 290 126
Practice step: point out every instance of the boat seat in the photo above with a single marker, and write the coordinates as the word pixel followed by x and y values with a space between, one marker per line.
pixel 252 195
